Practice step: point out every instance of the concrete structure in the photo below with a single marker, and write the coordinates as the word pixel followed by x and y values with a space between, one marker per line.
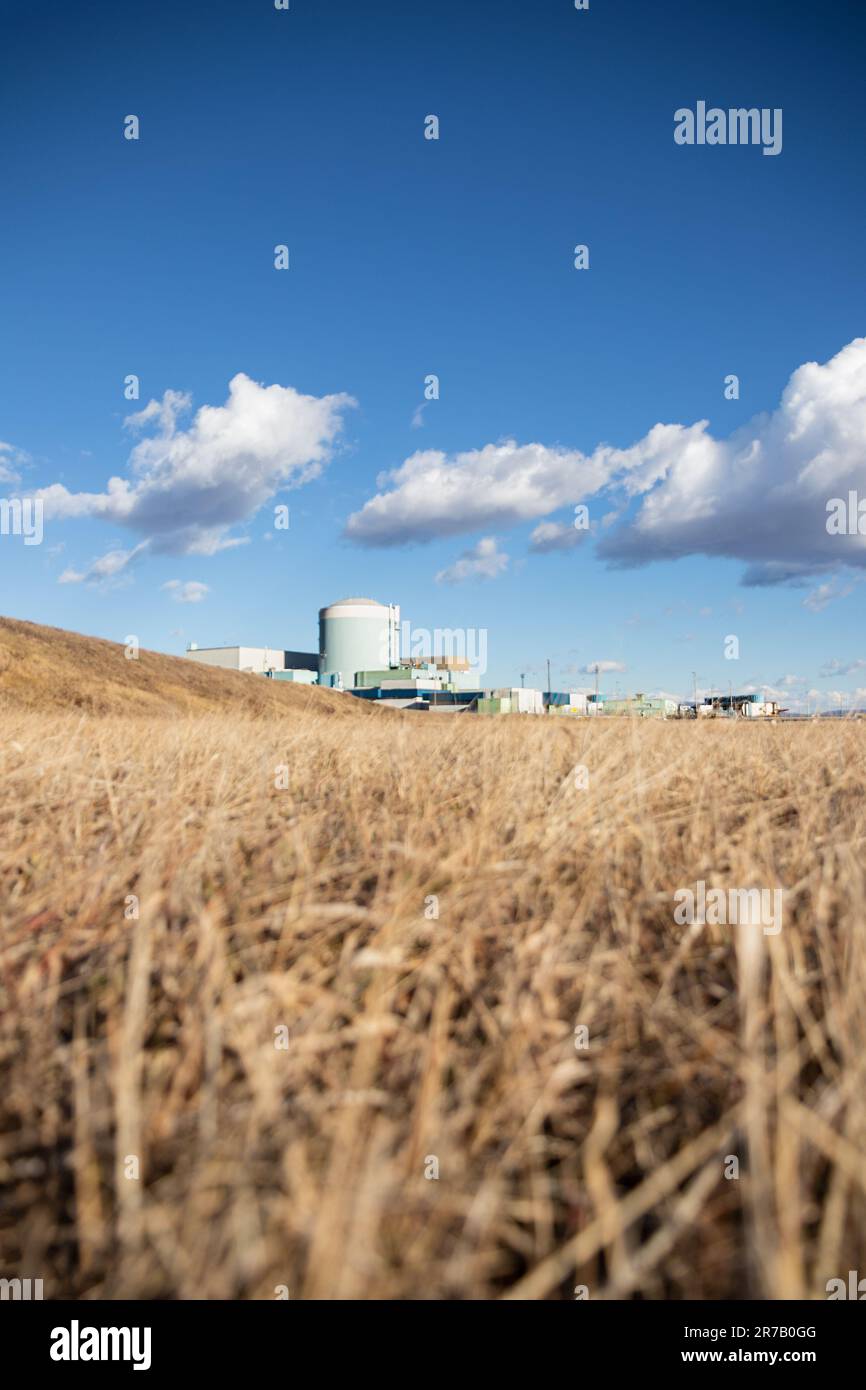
pixel 260 660
pixel 520 700
pixel 390 673
pixel 638 706
pixel 422 683
pixel 444 663
pixel 297 676
pixel 357 634
pixel 749 706
pixel 564 701
pixel 496 704
pixel 301 661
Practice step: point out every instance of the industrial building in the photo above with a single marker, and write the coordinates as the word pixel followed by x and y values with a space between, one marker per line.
pixel 263 661
pixel 565 702
pixel 357 634
pixel 360 653
pixel 733 706
pixel 639 706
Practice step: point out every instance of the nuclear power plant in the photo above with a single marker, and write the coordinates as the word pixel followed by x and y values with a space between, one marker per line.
pixel 362 651
pixel 355 635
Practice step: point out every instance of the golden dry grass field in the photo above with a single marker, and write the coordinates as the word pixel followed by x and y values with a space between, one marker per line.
pixel 194 874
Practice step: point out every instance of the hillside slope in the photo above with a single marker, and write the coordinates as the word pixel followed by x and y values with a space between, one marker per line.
pixel 46 668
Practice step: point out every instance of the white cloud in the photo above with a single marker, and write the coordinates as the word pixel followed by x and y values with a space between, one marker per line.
pixel 188 487
pixel 601 667
pixel 432 494
pixel 12 460
pixel 833 699
pixel 759 496
pixel 766 692
pixel 166 411
pixel 819 598
pixel 825 593
pixel 191 592
pixel 483 561
pixel 835 667
pixel 106 569
pixel 554 535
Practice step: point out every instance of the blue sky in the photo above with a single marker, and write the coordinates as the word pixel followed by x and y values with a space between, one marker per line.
pixel 410 257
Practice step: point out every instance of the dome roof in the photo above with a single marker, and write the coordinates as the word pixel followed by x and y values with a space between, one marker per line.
pixel 341 602
pixel 361 607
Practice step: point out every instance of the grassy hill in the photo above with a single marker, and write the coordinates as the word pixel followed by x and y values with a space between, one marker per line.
pixel 45 668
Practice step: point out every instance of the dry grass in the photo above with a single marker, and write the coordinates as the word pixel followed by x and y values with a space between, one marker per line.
pixel 303 908
pixel 45 668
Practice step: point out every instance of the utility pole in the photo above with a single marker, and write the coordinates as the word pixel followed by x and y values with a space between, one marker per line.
pixel 596 687
pixel 522 679
pixel 548 675
pixel 695 689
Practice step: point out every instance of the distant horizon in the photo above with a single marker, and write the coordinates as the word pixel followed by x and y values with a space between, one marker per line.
pixel 497 320
pixel 616 689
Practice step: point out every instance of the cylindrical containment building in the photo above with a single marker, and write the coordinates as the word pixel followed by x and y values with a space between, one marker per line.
pixel 357 634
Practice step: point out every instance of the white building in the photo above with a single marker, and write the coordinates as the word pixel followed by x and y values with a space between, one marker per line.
pixel 357 634
pixel 259 660
pixel 523 701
